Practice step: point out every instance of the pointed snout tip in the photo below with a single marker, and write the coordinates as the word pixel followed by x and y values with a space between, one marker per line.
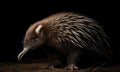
pixel 18 57
pixel 22 53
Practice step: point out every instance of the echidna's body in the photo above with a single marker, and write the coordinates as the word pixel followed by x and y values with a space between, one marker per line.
pixel 69 33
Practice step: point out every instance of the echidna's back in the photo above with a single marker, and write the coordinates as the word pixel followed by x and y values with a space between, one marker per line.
pixel 71 29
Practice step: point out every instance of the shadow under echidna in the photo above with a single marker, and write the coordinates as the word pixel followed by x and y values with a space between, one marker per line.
pixel 67 36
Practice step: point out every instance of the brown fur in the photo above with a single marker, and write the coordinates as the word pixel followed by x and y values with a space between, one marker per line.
pixel 68 33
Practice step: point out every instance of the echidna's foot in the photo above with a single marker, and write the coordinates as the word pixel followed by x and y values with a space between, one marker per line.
pixel 48 67
pixel 71 67
pixel 53 65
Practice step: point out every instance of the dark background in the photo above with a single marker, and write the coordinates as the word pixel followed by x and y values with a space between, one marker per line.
pixel 17 16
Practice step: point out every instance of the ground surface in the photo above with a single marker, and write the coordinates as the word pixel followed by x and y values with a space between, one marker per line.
pixel 36 67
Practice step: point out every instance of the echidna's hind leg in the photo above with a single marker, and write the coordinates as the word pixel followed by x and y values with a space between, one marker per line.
pixel 73 59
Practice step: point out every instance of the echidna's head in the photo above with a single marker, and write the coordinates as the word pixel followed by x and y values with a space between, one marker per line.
pixel 34 37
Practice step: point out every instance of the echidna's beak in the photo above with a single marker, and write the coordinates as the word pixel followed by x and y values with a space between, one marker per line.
pixel 21 54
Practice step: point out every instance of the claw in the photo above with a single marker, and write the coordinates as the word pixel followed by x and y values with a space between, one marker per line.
pixel 51 67
pixel 71 67
pixel 48 67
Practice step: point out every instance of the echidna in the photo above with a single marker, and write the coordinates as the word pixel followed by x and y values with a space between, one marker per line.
pixel 70 34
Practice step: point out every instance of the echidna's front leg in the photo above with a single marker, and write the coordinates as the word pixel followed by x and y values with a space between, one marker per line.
pixel 71 67
pixel 53 64
pixel 73 59
pixel 53 61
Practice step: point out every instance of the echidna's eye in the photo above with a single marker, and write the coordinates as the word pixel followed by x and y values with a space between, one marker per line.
pixel 36 39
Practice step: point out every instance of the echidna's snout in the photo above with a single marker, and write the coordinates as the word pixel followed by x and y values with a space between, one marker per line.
pixel 22 53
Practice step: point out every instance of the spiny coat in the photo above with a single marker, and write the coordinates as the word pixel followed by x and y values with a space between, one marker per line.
pixel 69 33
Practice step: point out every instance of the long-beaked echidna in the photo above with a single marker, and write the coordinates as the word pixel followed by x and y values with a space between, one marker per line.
pixel 69 33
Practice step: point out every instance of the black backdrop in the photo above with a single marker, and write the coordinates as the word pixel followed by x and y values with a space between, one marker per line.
pixel 17 16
